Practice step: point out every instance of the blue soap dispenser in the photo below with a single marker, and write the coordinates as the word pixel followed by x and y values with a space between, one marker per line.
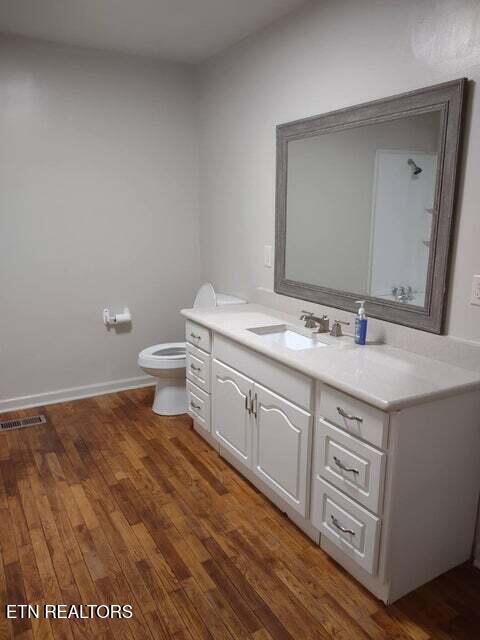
pixel 361 324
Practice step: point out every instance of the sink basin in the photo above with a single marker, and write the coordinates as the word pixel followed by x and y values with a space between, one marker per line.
pixel 284 335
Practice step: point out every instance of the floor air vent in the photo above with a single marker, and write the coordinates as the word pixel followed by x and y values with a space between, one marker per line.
pixel 7 425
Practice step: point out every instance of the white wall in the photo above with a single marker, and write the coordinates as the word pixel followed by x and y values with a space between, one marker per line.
pixel 329 55
pixel 98 207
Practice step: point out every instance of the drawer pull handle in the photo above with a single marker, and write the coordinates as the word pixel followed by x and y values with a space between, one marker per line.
pixel 194 368
pixel 340 464
pixel 197 407
pixel 195 337
pixel 336 524
pixel 348 416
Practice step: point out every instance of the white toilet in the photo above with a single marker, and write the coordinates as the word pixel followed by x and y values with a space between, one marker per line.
pixel 166 361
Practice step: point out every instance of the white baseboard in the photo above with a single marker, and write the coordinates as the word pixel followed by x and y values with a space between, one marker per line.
pixel 74 393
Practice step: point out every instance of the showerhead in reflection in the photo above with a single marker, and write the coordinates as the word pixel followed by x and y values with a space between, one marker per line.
pixel 415 168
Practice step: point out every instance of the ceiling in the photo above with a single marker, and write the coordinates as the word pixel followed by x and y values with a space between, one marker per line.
pixel 182 30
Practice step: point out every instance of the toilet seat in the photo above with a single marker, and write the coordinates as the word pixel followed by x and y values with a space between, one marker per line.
pixel 167 362
pixel 168 355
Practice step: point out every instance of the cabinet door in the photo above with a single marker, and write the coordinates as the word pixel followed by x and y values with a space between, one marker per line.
pixel 281 447
pixel 232 424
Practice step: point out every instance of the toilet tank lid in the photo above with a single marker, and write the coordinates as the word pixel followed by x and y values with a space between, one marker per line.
pixel 207 297
pixel 225 298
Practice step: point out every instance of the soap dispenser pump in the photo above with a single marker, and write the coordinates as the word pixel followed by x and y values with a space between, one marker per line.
pixel 361 324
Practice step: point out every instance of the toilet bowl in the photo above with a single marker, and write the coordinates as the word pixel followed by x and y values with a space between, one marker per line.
pixel 166 362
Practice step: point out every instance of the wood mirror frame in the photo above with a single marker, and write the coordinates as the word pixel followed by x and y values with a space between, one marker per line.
pixel 447 99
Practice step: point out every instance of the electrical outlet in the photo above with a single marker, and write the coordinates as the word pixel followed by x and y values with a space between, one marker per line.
pixel 267 256
pixel 475 297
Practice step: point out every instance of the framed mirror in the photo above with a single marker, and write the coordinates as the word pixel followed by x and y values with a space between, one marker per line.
pixel 364 205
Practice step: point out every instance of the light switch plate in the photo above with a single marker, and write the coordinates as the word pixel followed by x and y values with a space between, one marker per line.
pixel 475 296
pixel 267 256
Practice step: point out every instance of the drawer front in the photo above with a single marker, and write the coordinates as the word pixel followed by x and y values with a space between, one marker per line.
pixel 198 367
pixel 287 382
pixel 198 336
pixel 350 527
pixel 356 417
pixel 198 405
pixel 351 465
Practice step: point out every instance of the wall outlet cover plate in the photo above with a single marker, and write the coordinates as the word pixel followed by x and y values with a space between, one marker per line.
pixel 267 256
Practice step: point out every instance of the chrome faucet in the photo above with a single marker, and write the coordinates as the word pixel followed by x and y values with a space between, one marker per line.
pixel 309 319
pixel 323 324
pixel 314 322
pixel 336 330
pixel 402 294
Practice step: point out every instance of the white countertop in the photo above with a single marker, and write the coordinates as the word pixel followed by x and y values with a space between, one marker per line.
pixel 383 376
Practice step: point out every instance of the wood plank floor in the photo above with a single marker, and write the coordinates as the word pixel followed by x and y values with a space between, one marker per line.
pixel 108 503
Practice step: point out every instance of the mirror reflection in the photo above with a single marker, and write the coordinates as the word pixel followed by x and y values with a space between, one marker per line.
pixel 361 210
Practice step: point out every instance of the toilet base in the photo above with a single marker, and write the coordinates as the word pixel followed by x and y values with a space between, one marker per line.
pixel 170 397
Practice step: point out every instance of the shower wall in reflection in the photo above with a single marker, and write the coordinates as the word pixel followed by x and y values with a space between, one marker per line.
pixel 402 219
pixel 356 211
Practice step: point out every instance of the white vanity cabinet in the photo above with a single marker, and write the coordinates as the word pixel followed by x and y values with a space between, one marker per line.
pixel 394 494
pixel 262 419
pixel 266 433
pixel 390 494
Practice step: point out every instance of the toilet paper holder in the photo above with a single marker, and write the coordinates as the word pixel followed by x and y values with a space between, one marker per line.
pixel 115 319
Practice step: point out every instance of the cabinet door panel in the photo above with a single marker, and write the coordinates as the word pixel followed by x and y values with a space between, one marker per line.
pixel 282 435
pixel 232 424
